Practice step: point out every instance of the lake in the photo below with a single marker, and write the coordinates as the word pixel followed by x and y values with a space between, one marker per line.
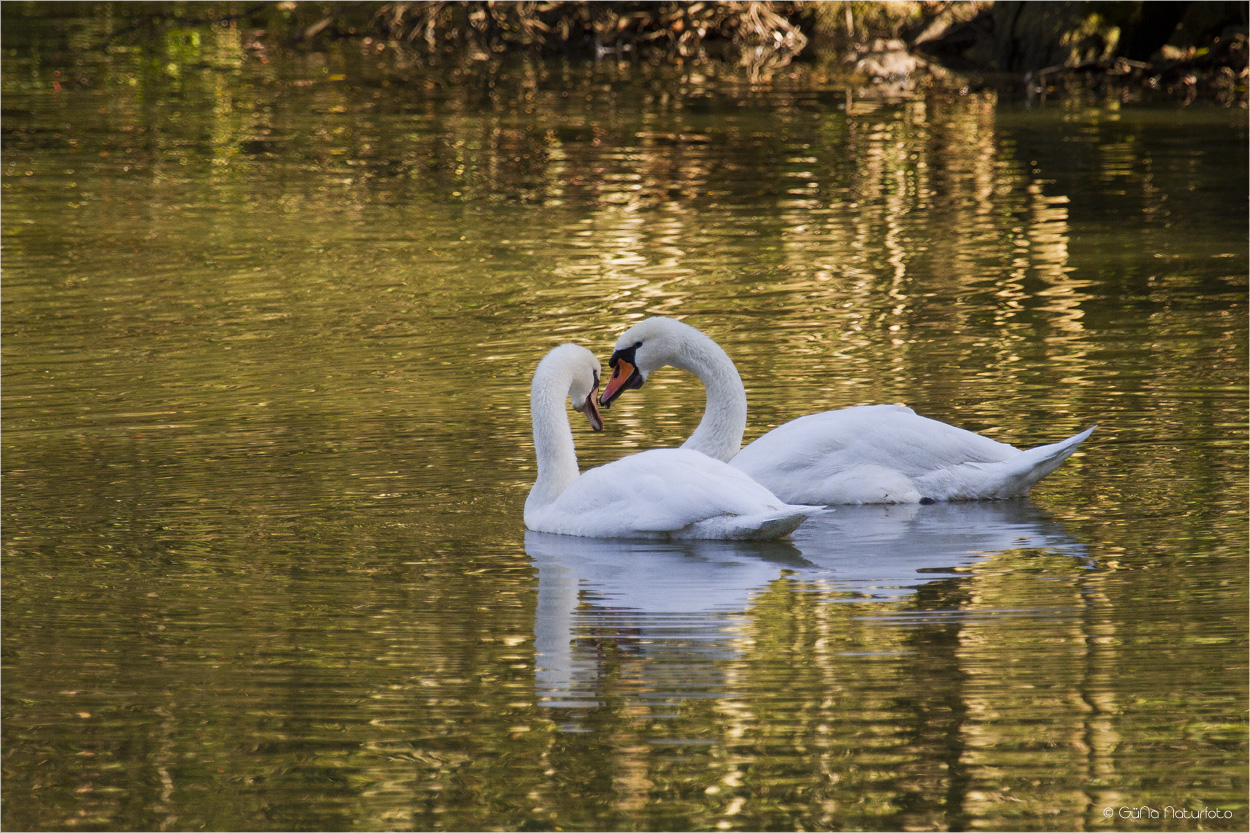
pixel 269 323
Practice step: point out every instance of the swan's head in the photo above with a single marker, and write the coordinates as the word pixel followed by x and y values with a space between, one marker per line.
pixel 580 367
pixel 644 347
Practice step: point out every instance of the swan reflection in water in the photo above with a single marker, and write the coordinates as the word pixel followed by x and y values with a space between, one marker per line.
pixel 686 600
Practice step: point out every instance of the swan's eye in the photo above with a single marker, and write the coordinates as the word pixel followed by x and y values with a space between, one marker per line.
pixel 637 344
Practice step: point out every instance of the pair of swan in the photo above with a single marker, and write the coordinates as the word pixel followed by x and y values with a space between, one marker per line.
pixel 712 488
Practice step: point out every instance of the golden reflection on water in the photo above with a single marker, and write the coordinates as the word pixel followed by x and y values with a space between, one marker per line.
pixel 266 441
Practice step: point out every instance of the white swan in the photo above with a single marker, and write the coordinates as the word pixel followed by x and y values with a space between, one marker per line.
pixel 670 493
pixel 864 454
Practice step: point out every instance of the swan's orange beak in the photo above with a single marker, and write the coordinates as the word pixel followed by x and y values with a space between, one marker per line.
pixel 591 409
pixel 624 376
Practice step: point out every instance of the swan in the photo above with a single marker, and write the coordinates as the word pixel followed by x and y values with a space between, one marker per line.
pixel 663 493
pixel 864 454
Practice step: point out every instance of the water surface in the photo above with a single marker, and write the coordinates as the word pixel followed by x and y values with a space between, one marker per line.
pixel 268 327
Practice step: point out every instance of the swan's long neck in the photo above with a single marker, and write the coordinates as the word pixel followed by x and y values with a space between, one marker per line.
pixel 719 434
pixel 553 438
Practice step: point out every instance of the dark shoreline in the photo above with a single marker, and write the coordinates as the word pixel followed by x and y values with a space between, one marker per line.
pixel 1132 51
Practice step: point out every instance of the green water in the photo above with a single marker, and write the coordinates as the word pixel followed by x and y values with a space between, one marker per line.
pixel 269 321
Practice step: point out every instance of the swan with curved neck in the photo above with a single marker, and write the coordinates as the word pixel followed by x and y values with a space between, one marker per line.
pixel 665 493
pixel 864 454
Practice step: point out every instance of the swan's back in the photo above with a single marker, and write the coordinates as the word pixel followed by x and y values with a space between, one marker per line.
pixel 668 493
pixel 890 454
pixel 891 435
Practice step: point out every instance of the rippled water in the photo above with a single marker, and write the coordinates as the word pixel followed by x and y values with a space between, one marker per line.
pixel 268 328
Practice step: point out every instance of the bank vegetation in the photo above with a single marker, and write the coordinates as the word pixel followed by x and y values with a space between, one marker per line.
pixel 1183 50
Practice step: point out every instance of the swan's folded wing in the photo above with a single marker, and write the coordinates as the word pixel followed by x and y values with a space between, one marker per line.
pixel 866 454
pixel 890 454
pixel 880 435
pixel 661 491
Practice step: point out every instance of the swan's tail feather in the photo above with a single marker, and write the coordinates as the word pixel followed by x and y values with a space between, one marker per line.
pixel 1044 459
pixel 1013 477
pixel 765 526
pixel 783 522
pixel 1024 471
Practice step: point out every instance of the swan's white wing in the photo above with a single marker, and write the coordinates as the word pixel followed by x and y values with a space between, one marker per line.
pixel 889 435
pixel 868 454
pixel 670 492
